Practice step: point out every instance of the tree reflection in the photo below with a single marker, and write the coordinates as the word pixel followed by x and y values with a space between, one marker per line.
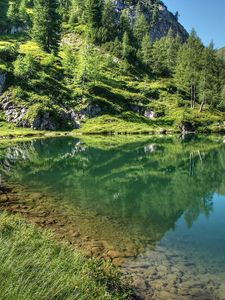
pixel 146 186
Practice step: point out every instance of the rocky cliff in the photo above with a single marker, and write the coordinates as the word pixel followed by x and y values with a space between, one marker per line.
pixel 157 14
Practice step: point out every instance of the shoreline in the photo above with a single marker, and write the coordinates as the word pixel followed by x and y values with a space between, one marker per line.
pixel 12 135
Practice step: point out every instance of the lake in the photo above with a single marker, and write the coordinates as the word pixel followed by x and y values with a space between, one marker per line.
pixel 153 205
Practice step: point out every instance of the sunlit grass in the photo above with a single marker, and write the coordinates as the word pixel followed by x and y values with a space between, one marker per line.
pixel 34 266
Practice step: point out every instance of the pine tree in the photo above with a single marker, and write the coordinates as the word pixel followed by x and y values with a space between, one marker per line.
pixel 126 46
pixel 13 12
pixel 141 26
pixel 46 24
pixel 208 81
pixel 4 6
pixel 94 10
pixel 172 45
pixel 77 11
pixel 23 15
pixel 124 25
pixel 189 67
pixel 145 53
pixel 109 23
pixel 160 59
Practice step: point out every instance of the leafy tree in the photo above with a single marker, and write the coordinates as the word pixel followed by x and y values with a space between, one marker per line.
pixel 46 24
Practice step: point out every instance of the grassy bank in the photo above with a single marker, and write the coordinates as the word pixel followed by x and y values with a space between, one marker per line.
pixel 11 131
pixel 34 266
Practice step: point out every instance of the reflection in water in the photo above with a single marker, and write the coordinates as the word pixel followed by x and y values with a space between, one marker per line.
pixel 161 192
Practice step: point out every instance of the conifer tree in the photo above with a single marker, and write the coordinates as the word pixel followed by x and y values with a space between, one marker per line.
pixel 4 6
pixel 109 23
pixel 141 26
pixel 125 46
pixel 77 11
pixel 208 81
pixel 145 53
pixel 124 24
pixel 13 12
pixel 94 9
pixel 159 57
pixel 189 66
pixel 46 24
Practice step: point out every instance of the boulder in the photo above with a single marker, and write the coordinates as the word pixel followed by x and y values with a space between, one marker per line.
pixel 187 127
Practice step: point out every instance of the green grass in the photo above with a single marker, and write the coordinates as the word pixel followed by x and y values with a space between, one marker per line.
pixel 112 124
pixel 35 266
pixel 117 94
pixel 11 131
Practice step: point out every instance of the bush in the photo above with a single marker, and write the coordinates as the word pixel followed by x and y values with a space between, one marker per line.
pixel 9 53
pixel 24 66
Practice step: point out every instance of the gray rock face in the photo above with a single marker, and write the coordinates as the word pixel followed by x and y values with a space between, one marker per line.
pixel 17 29
pixel 165 20
pixel 2 82
pixel 46 120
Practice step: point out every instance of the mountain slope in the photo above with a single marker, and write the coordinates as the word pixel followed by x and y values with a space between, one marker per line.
pixel 123 85
pixel 164 21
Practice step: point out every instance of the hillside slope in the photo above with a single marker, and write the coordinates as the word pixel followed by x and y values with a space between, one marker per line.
pixel 96 87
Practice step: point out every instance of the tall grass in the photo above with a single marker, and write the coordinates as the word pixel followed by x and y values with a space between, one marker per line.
pixel 34 266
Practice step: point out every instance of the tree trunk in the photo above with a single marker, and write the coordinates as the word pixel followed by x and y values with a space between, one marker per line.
pixel 202 105
pixel 194 96
pixel 191 96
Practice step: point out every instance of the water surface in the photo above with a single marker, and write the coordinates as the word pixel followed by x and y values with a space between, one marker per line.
pixel 157 203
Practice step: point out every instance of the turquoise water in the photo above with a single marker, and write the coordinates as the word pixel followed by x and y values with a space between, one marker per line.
pixel 166 195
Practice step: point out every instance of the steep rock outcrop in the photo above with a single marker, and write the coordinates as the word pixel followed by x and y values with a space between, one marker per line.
pixel 165 20
pixel 49 118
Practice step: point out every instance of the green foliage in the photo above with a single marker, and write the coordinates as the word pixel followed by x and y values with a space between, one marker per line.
pixel 106 57
pixel 34 266
pixel 9 53
pixel 17 13
pixel 94 11
pixel 4 6
pixel 46 24
pixel 24 67
pixel 109 24
pixel 141 26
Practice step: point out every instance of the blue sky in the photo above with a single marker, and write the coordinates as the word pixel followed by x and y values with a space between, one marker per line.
pixel 206 16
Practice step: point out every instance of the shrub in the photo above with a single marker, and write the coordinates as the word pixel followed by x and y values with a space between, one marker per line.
pixel 9 53
pixel 24 66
